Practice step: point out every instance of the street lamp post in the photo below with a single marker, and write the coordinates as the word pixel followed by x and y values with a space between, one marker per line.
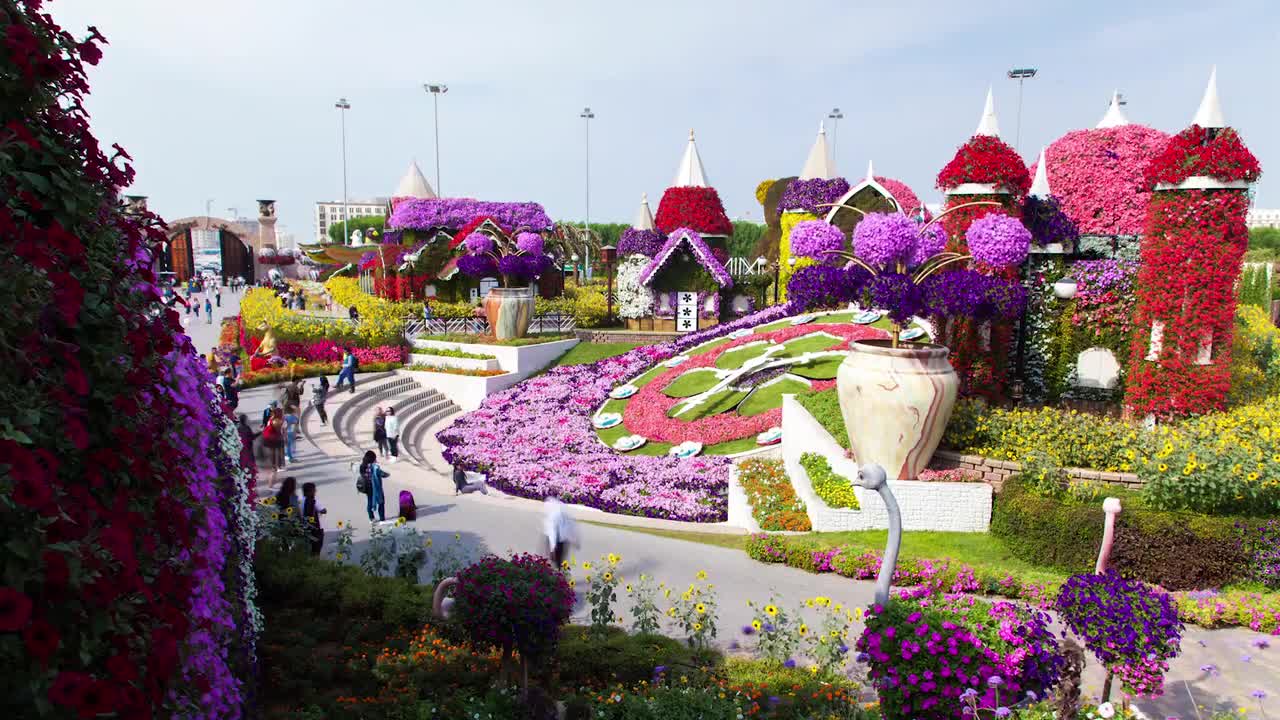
pixel 835 116
pixel 343 106
pixel 436 90
pixel 586 116
pixel 1021 75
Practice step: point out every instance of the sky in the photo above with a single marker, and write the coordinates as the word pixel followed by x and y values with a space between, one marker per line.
pixel 232 101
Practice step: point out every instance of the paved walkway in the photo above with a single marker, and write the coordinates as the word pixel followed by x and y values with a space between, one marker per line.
pixel 500 525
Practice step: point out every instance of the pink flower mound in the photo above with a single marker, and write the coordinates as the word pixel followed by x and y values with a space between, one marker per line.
pixel 1097 175
pixel 646 413
pixel 329 351
pixel 908 201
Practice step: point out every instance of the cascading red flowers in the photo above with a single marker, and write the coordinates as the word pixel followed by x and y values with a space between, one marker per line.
pixel 1204 152
pixel 698 208
pixel 988 160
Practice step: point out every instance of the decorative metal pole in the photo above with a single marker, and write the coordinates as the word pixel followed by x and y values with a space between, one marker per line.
pixel 1020 74
pixel 343 106
pixel 436 90
pixel 586 116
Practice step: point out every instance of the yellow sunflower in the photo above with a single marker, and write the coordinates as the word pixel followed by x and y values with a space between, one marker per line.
pixel 770 610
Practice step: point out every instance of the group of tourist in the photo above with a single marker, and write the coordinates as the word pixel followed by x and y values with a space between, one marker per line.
pixel 386 433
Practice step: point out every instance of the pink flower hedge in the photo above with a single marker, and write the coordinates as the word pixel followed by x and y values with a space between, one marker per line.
pixel 535 440
pixel 1098 175
pixel 330 351
pixel 646 412
pixel 908 202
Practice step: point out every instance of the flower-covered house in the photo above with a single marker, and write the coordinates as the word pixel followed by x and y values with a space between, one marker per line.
pixel 686 280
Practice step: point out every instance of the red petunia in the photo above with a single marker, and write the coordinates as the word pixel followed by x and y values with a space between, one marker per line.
pixel 97 698
pixel 15 609
pixel 68 689
pixel 122 669
pixel 56 571
pixel 31 490
pixel 41 639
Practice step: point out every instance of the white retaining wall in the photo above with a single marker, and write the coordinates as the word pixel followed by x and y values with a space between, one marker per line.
pixel 523 360
pixel 954 507
pixel 454 362
pixel 466 391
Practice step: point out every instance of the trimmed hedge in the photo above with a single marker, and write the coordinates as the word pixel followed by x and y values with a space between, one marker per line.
pixel 1176 550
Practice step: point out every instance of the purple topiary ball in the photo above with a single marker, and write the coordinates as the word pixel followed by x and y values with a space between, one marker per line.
pixel 478 242
pixel 528 242
pixel 884 239
pixel 816 239
pixel 998 240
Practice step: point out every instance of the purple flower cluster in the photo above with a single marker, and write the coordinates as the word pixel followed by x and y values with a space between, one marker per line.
pixel 812 195
pixel 478 243
pixel 535 440
pixel 882 240
pixel 968 293
pixel 454 213
pixel 1133 629
pixel 816 239
pixel 931 656
pixel 700 250
pixel 640 242
pixel 1095 279
pixel 824 286
pixel 998 240
pixel 530 243
pixel 478 265
pixel 898 294
pixel 1261 545
pixel 1047 222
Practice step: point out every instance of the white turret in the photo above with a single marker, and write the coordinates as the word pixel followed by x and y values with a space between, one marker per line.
pixel 988 124
pixel 690 172
pixel 1209 115
pixel 819 163
pixel 644 216
pixel 1115 116
pixel 414 184
pixel 1040 185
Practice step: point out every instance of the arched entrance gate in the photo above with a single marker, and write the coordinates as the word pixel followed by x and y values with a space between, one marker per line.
pixel 235 255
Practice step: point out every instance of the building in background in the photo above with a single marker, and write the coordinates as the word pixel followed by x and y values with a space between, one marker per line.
pixel 1263 218
pixel 330 213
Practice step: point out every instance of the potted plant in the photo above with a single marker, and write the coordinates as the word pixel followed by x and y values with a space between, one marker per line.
pixel 517 261
pixel 895 396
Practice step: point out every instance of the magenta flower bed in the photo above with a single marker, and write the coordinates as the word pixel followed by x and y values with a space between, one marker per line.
pixel 330 351
pixel 646 413
pixel 535 440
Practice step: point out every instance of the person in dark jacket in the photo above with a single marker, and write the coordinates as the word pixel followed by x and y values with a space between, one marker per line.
pixel 373 474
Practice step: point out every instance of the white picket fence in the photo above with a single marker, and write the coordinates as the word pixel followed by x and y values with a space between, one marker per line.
pixel 743 266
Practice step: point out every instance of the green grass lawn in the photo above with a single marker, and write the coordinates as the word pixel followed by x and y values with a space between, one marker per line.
pixel 691 383
pixel 822 368
pixel 583 353
pixel 769 397
pixel 809 343
pixel 980 550
pixel 737 357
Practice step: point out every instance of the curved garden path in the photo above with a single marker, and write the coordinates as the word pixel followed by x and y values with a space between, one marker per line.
pixel 500 524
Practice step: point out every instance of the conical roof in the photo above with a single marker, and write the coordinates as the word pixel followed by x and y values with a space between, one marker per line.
pixel 414 184
pixel 1209 114
pixel 690 172
pixel 644 216
pixel 819 164
pixel 1040 185
pixel 1114 116
pixel 988 124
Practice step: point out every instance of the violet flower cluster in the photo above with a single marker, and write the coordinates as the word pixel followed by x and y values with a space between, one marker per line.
pixel 487 257
pixel 998 240
pixel 812 195
pixel 1047 222
pixel 535 440
pixel 816 239
pixel 1133 629
pixel 640 242
pixel 454 213
pixel 968 293
pixel 882 240
pixel 824 286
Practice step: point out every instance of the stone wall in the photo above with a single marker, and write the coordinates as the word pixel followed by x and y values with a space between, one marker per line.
pixel 995 472
pixel 626 336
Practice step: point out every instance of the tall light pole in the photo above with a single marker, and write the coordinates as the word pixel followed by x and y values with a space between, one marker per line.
pixel 1021 75
pixel 586 116
pixel 343 106
pixel 436 90
pixel 835 116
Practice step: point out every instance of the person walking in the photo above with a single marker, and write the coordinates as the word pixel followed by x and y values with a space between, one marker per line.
pixel 273 439
pixel 371 475
pixel 266 413
pixel 560 530
pixel 380 432
pixel 246 442
pixel 348 370
pixel 287 497
pixel 291 423
pixel 392 424
pixel 208 311
pixel 354 314
pixel 217 295
pixel 311 512
pixel 318 395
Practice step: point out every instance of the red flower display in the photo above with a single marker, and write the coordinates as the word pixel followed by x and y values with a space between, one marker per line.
pixel 988 160
pixel 1207 152
pixel 1191 252
pixel 698 208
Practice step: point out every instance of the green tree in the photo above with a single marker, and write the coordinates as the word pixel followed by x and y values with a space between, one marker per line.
pixel 364 224
pixel 1264 238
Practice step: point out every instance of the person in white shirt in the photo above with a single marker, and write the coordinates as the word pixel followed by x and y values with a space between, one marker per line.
pixel 560 529
pixel 393 434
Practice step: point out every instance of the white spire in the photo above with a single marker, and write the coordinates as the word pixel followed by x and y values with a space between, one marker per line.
pixel 414 184
pixel 1040 186
pixel 1210 113
pixel 1115 116
pixel 988 125
pixel 819 164
pixel 871 171
pixel 690 172
pixel 644 216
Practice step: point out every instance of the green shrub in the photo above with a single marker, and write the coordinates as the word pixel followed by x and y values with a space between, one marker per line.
pixel 834 489
pixel 1177 550
pixel 453 353
pixel 825 408
pixel 590 659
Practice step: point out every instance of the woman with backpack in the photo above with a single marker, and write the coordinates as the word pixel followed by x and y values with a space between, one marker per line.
pixel 370 483
pixel 380 432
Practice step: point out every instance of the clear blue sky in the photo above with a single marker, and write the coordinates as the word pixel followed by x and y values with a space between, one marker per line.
pixel 233 100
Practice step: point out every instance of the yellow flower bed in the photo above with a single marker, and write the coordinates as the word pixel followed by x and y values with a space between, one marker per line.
pixel 786 270
pixel 381 321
